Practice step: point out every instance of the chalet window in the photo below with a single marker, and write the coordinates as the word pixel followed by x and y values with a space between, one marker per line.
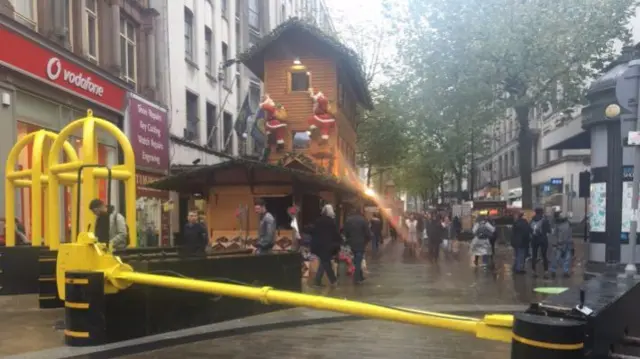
pixel 300 81
pixel 300 140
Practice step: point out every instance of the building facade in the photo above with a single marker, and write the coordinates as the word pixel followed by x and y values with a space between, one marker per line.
pixel 555 172
pixel 60 58
pixel 204 88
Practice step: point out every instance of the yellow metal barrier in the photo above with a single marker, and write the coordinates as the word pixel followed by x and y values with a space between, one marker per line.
pixel 35 178
pixel 59 172
pixel 87 255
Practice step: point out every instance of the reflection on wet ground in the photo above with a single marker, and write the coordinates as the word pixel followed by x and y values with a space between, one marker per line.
pixel 452 285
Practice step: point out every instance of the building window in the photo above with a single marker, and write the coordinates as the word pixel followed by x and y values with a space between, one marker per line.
pixel 212 135
pixel 228 134
pixel 254 37
pixel 208 43
pixel 68 23
pixel 191 132
pixel 238 39
pixel 225 58
pixel 254 14
pixel 283 12
pixel 254 95
pixel 238 9
pixel 223 8
pixel 188 34
pixel 128 51
pixel 299 81
pixel 91 9
pixel 25 12
pixel 238 95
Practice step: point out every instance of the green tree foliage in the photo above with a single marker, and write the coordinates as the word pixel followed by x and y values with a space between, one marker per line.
pixel 471 61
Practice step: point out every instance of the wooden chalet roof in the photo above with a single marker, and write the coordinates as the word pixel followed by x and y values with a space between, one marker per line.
pixel 246 172
pixel 253 58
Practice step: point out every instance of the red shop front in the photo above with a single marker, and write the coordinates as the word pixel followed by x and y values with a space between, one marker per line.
pixel 44 87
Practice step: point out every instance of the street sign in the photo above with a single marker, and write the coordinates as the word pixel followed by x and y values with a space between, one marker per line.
pixel 627 86
pixel 634 138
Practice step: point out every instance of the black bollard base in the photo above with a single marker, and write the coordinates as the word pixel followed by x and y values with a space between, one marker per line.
pixel 84 304
pixel 536 337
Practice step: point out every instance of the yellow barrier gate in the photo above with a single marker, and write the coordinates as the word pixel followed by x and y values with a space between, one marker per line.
pixel 36 178
pixel 59 171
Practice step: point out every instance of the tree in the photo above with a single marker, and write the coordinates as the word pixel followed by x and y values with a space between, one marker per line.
pixel 528 55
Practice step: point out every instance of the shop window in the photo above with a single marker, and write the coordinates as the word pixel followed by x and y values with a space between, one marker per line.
pixel 91 9
pixel 301 140
pixel 128 51
pixel 299 81
pixel 278 206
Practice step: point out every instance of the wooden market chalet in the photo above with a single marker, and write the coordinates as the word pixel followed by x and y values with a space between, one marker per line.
pixel 313 87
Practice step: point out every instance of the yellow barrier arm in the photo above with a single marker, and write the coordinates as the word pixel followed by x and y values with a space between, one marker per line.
pixel 493 327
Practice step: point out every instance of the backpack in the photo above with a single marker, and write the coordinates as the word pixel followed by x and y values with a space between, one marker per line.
pixel 536 227
pixel 483 231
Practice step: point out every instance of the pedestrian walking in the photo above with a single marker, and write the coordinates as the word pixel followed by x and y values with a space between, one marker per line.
pixel 435 234
pixel 376 230
pixel 520 238
pixel 412 233
pixel 357 233
pixel 480 244
pixel 449 235
pixel 195 235
pixel 325 244
pixel 266 229
pixel 561 241
pixel 540 230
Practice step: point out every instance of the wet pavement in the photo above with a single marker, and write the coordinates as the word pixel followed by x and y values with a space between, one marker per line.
pixel 453 285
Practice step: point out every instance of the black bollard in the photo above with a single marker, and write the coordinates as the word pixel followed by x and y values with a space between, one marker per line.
pixel 84 309
pixel 536 336
pixel 47 288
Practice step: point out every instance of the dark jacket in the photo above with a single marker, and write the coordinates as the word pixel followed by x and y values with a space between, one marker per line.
pixel 545 229
pixel 435 231
pixel 356 231
pixel 325 238
pixel 376 226
pixel 521 234
pixel 195 237
pixel 420 225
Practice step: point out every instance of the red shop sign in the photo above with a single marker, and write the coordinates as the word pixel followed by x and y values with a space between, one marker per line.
pixel 28 57
pixel 142 179
pixel 149 134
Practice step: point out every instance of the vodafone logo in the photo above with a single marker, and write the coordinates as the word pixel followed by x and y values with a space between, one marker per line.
pixel 54 68
pixel 79 80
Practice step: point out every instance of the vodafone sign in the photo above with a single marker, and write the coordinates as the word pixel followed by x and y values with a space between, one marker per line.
pixel 34 60
pixel 54 70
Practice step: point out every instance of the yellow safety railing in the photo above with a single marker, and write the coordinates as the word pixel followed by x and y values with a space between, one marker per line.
pixel 87 255
pixel 36 178
pixel 59 171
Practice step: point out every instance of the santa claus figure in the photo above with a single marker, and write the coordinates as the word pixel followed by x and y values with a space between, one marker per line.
pixel 321 118
pixel 273 126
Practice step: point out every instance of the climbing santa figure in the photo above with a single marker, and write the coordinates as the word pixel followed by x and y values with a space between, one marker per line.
pixel 321 119
pixel 273 116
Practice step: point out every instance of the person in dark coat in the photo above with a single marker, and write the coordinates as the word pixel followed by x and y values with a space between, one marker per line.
pixel 520 241
pixel 195 235
pixel 376 231
pixel 435 234
pixel 540 231
pixel 358 235
pixel 325 244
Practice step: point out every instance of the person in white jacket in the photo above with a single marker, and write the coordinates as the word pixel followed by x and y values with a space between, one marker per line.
pixel 481 244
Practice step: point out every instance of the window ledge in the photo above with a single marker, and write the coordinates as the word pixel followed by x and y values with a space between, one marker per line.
pixel 191 63
pixel 211 77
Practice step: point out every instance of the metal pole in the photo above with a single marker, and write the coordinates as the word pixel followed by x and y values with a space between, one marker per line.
pixel 631 270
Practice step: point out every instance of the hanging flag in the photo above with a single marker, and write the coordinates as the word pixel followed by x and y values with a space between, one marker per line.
pixel 242 121
pixel 258 132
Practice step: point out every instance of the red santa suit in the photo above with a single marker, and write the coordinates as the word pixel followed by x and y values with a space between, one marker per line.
pixel 273 126
pixel 321 118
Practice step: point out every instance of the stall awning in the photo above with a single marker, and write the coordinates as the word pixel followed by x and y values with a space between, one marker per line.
pixel 245 172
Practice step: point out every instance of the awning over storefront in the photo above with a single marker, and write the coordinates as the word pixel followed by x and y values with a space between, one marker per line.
pixel 245 172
